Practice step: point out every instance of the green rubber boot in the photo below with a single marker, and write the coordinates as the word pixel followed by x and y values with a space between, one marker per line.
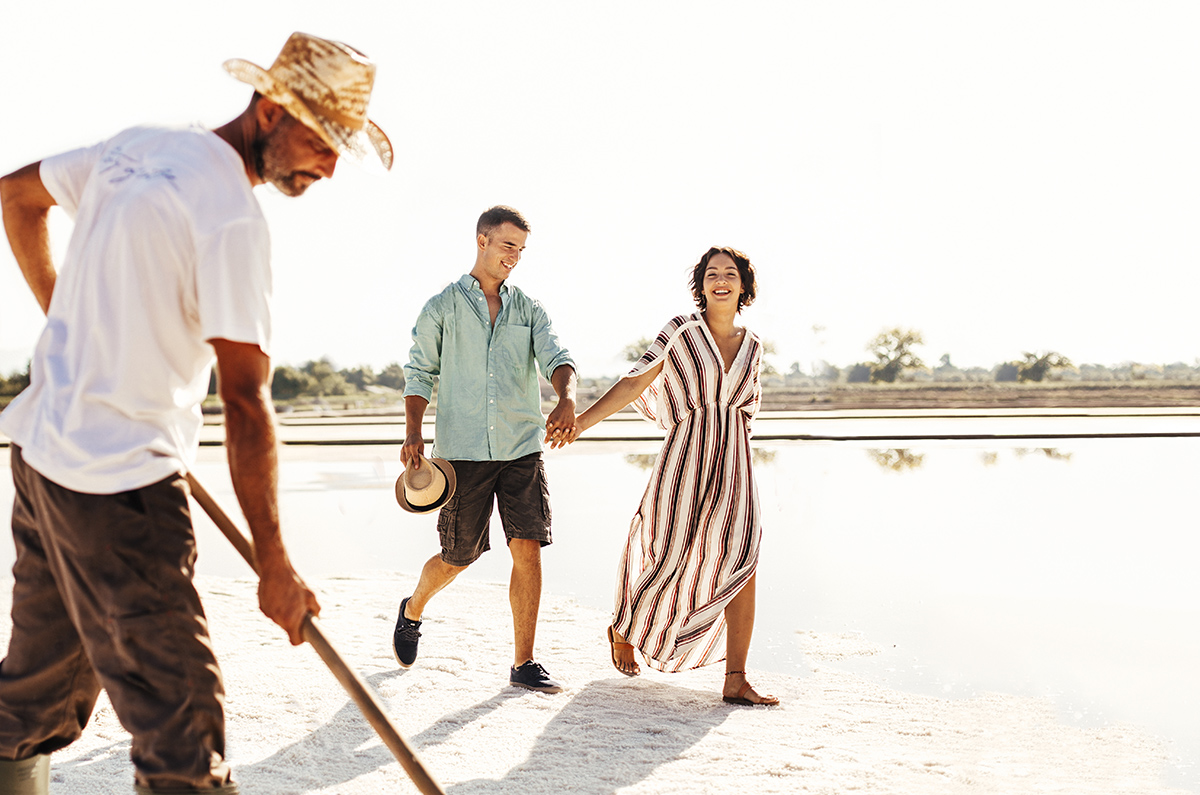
pixel 26 776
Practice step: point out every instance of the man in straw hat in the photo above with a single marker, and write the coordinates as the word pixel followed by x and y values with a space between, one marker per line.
pixel 168 267
pixel 484 341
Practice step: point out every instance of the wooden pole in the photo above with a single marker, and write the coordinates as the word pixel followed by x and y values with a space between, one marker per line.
pixel 312 633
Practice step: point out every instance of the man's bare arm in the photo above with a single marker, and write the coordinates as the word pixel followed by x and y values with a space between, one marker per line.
pixel 560 425
pixel 414 439
pixel 26 204
pixel 244 383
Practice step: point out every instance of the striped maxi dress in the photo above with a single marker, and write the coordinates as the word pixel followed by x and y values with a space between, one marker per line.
pixel 693 543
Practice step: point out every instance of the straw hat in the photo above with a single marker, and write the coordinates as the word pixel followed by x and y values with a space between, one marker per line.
pixel 326 86
pixel 428 488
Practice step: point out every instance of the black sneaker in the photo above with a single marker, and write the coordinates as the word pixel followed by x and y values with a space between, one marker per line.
pixel 532 676
pixel 406 638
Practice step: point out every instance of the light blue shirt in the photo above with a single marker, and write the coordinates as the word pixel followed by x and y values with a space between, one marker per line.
pixel 489 404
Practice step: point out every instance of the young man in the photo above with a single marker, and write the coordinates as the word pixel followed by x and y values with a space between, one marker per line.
pixel 168 265
pixel 484 341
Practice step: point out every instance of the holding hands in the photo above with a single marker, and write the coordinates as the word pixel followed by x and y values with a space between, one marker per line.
pixel 561 427
pixel 560 432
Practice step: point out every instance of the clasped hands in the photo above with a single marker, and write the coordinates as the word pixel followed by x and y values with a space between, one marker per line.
pixel 561 426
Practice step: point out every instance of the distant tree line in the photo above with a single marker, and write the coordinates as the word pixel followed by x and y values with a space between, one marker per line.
pixel 319 379
pixel 13 384
pixel 313 380
pixel 895 360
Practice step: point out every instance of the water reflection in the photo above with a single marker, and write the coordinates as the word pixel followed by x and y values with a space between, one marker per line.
pixel 1052 453
pixel 902 459
pixel 761 456
pixel 991 457
pixel 641 460
pixel 897 460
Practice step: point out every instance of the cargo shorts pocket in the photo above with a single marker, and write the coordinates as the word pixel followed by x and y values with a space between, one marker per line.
pixel 446 524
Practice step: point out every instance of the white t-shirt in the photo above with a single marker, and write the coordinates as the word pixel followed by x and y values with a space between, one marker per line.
pixel 170 249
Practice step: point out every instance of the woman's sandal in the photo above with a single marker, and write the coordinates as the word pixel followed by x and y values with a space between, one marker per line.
pixel 614 643
pixel 740 698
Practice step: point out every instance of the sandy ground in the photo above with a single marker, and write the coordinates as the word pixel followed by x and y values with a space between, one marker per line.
pixel 292 729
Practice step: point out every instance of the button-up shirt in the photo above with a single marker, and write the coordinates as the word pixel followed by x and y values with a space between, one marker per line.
pixel 489 401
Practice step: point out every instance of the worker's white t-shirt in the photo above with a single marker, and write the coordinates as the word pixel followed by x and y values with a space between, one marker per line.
pixel 170 249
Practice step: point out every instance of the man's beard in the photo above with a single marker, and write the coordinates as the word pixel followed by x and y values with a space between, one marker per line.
pixel 269 165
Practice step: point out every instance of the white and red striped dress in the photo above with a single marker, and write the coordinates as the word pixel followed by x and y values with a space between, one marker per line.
pixel 693 543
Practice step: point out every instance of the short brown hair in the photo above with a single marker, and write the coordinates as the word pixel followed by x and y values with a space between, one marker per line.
pixel 498 216
pixel 745 272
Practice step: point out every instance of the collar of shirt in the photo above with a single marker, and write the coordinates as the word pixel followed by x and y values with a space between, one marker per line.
pixel 470 287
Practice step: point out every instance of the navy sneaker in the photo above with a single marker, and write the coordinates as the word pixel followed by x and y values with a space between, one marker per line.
pixel 532 676
pixel 406 638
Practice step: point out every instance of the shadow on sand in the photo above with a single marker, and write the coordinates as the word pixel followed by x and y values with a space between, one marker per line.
pixel 609 735
pixel 591 746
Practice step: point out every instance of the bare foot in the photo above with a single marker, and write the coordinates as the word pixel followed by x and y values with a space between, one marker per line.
pixel 622 654
pixel 739 691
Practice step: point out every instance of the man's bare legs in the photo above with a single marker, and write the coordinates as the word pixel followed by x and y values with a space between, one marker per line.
pixel 524 595
pixel 739 620
pixel 524 592
pixel 435 575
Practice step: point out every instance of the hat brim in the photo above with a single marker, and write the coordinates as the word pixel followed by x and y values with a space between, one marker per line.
pixel 367 146
pixel 451 484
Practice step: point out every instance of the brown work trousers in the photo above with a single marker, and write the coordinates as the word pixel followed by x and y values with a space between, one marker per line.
pixel 103 597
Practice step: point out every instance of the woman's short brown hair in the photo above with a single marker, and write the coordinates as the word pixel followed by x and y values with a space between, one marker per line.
pixel 745 272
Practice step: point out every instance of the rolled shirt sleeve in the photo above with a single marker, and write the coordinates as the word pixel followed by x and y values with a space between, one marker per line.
pixel 425 356
pixel 547 349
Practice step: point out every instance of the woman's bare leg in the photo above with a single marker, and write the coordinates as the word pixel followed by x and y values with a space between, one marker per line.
pixel 739 620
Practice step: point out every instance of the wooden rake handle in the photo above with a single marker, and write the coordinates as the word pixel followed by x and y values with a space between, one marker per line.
pixel 311 630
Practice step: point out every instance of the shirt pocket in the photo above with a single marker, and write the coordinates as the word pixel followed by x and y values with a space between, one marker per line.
pixel 513 348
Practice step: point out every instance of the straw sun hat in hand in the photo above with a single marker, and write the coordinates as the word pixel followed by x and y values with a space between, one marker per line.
pixel 425 488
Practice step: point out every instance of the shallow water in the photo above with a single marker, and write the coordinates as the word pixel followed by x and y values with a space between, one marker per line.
pixel 952 568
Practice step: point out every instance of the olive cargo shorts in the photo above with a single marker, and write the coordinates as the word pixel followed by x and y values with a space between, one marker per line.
pixel 518 488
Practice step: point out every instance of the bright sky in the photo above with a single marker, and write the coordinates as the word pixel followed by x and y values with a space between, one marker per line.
pixel 1001 176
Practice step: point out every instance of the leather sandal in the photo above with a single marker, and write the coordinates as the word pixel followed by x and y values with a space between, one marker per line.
pixel 741 700
pixel 614 644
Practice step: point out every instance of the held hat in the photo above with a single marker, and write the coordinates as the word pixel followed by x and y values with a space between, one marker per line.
pixel 426 489
pixel 325 85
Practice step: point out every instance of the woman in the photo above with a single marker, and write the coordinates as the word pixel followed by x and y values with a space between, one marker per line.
pixel 689 564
